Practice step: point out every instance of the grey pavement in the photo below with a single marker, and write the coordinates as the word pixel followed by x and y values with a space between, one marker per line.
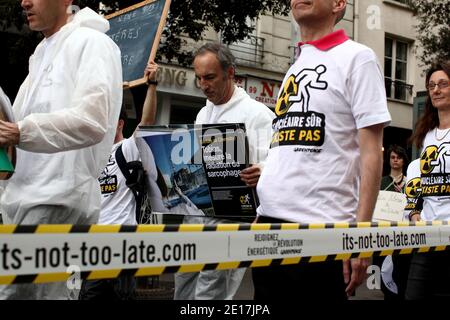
pixel 164 290
pixel 245 291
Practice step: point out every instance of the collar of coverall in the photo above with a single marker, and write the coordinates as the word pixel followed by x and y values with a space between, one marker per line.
pixel 329 41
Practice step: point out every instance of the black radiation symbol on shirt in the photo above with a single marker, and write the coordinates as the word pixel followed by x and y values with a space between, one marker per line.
pixel 430 154
pixel 413 188
pixel 290 89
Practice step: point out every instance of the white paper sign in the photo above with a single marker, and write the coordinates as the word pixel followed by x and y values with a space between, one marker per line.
pixel 390 206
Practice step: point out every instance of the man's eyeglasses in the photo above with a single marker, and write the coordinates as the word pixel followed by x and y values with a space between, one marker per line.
pixel 441 85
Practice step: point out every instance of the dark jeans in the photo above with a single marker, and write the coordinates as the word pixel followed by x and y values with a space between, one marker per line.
pixel 319 280
pixel 429 276
pixel 121 288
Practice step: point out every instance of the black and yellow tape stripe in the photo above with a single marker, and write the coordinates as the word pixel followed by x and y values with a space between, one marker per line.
pixel 65 229
pixel 149 271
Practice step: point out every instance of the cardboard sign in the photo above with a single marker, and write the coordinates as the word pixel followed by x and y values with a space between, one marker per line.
pixel 390 206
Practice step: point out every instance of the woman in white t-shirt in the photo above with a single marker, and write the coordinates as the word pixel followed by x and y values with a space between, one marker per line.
pixel 429 275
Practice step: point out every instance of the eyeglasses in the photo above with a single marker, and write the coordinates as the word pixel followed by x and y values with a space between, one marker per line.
pixel 441 85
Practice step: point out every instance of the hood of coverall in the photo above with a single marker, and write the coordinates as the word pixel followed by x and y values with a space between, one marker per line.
pixel 90 19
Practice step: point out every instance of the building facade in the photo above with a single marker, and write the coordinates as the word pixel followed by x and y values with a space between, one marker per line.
pixel 387 26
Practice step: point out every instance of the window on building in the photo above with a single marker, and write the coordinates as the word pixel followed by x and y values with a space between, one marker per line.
pixel 395 69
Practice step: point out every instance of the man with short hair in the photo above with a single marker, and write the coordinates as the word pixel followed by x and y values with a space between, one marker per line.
pixel 66 112
pixel 325 160
pixel 215 70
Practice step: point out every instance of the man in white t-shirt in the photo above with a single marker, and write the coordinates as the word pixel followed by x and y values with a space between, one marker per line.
pixel 325 160
pixel 118 200
pixel 215 69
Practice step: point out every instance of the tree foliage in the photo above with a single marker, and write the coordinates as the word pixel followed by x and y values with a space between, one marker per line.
pixel 188 18
pixel 18 43
pixel 193 17
pixel 433 29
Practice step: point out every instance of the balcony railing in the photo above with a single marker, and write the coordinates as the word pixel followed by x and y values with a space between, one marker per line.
pixel 249 52
pixel 407 2
pixel 398 90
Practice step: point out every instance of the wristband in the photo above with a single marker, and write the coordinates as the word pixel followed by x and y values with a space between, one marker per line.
pixel 150 82
pixel 413 213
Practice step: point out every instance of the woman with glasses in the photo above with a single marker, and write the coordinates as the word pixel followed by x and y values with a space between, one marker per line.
pixel 429 275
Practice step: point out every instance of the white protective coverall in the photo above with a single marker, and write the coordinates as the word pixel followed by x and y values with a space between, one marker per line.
pixel 241 108
pixel 67 111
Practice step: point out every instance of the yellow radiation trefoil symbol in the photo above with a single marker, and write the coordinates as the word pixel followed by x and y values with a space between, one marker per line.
pixel 430 154
pixel 290 89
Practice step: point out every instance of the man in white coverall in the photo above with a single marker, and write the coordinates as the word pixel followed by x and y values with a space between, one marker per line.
pixel 66 111
pixel 215 69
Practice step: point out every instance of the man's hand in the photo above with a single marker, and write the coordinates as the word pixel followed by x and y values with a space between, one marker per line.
pixel 9 134
pixel 354 273
pixel 151 70
pixel 251 175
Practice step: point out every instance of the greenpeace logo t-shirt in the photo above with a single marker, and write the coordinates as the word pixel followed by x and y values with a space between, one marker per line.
pixel 118 201
pixel 413 188
pixel 312 172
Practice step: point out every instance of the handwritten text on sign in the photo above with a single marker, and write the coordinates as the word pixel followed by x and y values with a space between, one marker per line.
pixel 390 206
